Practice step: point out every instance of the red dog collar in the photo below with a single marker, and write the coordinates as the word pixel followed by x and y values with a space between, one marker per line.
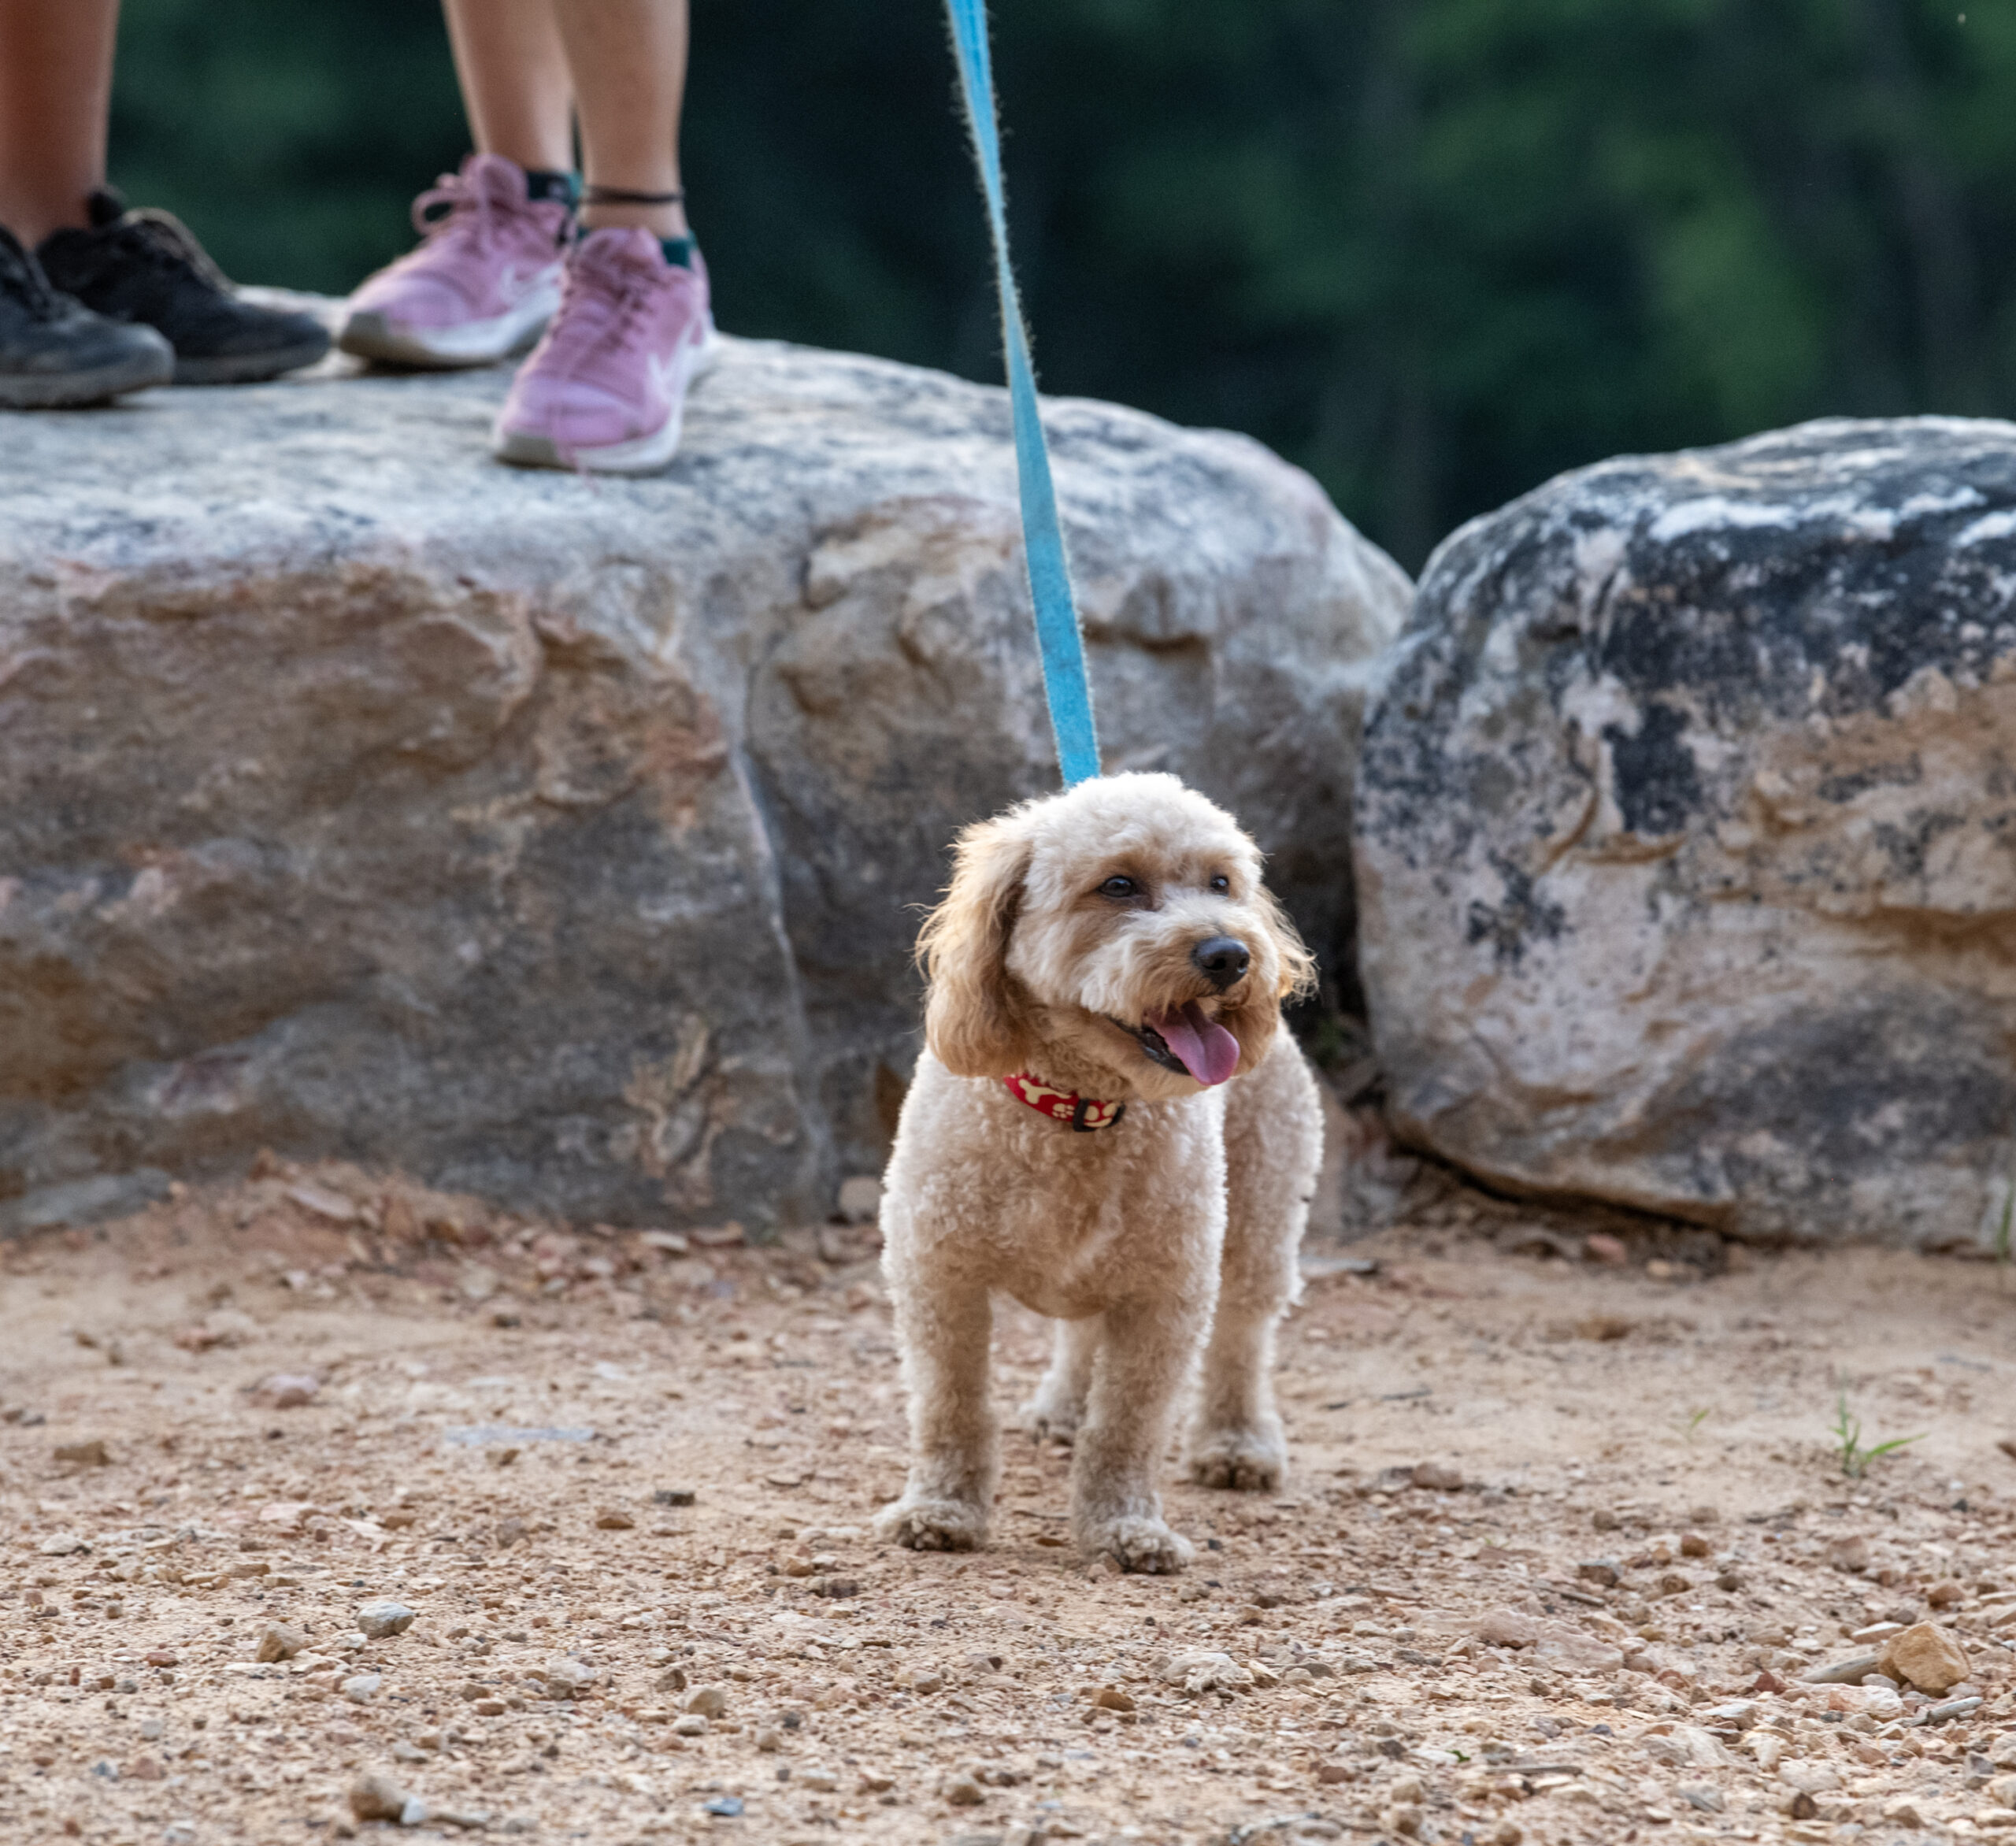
pixel 1083 1113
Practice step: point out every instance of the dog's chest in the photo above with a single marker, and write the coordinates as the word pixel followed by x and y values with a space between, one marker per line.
pixel 1080 1228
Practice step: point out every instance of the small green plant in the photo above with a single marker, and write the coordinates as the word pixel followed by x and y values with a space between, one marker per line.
pixel 2001 1230
pixel 1847 1432
pixel 1694 1421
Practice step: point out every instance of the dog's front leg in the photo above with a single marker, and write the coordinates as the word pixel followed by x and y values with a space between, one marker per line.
pixel 944 1329
pixel 1273 1148
pixel 1115 1504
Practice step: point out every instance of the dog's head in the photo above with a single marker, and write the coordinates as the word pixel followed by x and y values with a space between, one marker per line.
pixel 1123 921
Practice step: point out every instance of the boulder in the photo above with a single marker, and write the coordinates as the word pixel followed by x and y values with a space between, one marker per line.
pixel 1686 841
pixel 559 840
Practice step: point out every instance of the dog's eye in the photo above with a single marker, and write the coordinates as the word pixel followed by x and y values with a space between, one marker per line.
pixel 1221 882
pixel 1118 886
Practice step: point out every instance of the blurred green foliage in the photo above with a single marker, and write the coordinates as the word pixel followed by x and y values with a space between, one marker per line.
pixel 1434 250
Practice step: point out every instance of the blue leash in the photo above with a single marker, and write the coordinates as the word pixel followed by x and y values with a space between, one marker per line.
pixel 1064 682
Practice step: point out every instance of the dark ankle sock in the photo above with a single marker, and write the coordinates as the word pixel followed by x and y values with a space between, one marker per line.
pixel 545 182
pixel 678 251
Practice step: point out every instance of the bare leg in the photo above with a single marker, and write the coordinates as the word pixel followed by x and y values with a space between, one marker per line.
pixel 1058 1406
pixel 955 1461
pixel 628 61
pixel 1116 1506
pixel 513 74
pixel 55 94
pixel 1273 1146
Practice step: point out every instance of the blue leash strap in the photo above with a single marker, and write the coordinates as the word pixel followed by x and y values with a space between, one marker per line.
pixel 1064 681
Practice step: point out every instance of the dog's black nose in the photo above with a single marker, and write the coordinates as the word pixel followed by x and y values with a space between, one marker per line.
pixel 1223 960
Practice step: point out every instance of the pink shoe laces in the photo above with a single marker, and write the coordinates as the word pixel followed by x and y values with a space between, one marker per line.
pixel 604 291
pixel 455 209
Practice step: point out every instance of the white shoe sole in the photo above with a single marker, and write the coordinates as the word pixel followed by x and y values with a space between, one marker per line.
pixel 474 342
pixel 644 454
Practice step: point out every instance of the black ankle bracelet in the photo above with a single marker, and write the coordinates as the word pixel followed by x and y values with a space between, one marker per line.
pixel 619 195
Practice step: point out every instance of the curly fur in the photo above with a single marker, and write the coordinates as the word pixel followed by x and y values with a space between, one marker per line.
pixel 1163 1246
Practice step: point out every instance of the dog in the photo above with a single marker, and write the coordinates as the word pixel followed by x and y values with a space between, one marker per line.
pixel 1108 1124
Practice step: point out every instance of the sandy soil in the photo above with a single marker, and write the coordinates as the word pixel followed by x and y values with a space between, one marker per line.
pixel 507 1425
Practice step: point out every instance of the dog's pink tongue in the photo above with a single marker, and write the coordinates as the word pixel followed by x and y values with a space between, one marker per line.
pixel 1209 1052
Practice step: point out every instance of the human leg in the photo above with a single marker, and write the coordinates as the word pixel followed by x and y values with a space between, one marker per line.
pixel 485 278
pixel 627 60
pixel 55 97
pixel 605 388
pixel 513 70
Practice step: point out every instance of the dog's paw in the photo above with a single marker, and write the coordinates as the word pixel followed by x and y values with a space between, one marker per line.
pixel 1137 1543
pixel 1250 1460
pixel 1050 1419
pixel 933 1525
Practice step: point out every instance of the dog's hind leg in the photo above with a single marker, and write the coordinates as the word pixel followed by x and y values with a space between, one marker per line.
pixel 1058 1406
pixel 1273 1148
pixel 944 1330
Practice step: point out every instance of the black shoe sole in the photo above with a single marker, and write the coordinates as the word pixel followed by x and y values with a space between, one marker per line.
pixel 251 368
pixel 71 391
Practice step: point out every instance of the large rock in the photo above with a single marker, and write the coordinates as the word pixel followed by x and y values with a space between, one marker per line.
pixel 1687 836
pixel 561 839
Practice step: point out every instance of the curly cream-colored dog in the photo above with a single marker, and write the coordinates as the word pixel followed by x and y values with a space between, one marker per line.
pixel 1109 1125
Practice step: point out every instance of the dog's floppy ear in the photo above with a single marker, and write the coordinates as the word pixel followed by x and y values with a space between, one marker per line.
pixel 972 1020
pixel 1254 1021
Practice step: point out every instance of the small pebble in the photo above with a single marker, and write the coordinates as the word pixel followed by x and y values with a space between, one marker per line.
pixel 277 1641
pixel 568 1678
pixel 361 1688
pixel 613 1519
pixel 378 1621
pixel 1925 1656
pixel 288 1391
pixel 692 1725
pixel 707 1701
pixel 83 1455
pixel 962 1791
pixel 378 1795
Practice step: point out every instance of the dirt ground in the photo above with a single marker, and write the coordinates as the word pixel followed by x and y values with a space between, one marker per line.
pixel 590 1465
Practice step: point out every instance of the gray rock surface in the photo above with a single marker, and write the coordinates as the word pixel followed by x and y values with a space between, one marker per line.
pixel 1687 837
pixel 559 840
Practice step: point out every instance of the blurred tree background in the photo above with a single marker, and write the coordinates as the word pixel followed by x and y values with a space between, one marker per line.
pixel 1433 250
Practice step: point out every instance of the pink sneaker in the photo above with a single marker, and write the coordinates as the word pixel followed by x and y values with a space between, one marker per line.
pixel 606 389
pixel 482 285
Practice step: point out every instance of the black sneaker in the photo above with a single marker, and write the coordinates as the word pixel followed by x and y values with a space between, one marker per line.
pixel 146 266
pixel 55 352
